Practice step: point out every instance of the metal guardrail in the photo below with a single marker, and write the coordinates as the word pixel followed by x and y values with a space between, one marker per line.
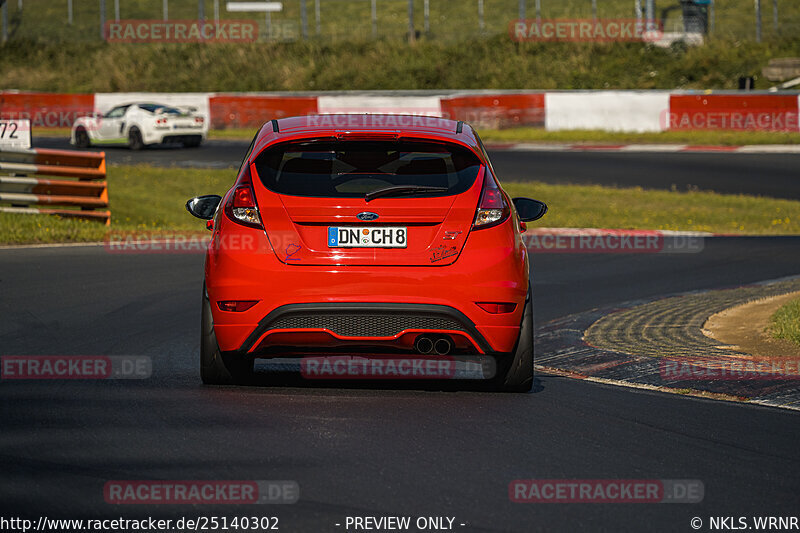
pixel 83 197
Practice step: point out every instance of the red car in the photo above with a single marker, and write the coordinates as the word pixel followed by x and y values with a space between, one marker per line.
pixel 377 234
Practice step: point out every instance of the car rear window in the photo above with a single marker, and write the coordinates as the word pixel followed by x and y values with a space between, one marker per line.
pixel 160 109
pixel 351 169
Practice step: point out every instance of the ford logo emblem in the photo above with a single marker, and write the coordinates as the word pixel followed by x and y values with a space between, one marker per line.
pixel 367 216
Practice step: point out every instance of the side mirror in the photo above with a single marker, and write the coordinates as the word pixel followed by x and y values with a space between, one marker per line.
pixel 529 210
pixel 204 206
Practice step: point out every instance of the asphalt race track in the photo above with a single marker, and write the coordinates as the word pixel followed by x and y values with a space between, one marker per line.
pixel 370 449
pixel 774 175
pixel 376 449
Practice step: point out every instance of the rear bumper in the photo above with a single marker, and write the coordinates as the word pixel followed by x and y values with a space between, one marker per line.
pixel 170 135
pixel 181 138
pixel 388 325
pixel 382 307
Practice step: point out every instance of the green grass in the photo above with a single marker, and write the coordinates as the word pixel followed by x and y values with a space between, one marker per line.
pixel 36 229
pixel 150 199
pixel 536 135
pixel 44 53
pixel 350 19
pixel 698 137
pixel 166 191
pixel 234 133
pixel 491 63
pixel 785 323
pixel 593 206
pixel 142 199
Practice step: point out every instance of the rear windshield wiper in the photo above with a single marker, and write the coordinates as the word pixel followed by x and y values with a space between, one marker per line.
pixel 401 190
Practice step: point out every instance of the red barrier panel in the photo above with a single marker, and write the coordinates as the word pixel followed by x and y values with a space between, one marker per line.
pixel 46 110
pixel 251 111
pixel 763 112
pixel 496 111
pixel 732 112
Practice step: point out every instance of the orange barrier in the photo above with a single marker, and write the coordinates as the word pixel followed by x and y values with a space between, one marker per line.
pixel 86 194
pixel 496 110
pixel 252 111
pixel 741 112
pixel 45 110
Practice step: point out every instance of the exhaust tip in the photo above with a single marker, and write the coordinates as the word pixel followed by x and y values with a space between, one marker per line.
pixel 423 344
pixel 443 346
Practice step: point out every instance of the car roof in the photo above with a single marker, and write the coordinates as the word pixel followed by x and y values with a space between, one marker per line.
pixel 365 125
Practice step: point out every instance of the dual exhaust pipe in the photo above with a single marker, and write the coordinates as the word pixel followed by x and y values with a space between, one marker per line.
pixel 430 344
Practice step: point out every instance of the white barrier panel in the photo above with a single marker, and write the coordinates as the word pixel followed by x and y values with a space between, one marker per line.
pixel 15 134
pixel 103 102
pixel 429 106
pixel 606 110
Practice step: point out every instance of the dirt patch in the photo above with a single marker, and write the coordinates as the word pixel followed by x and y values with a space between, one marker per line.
pixel 743 328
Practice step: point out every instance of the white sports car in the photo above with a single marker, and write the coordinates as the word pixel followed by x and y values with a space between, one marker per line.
pixel 139 125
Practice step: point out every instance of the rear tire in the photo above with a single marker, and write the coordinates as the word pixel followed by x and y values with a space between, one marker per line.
pixel 82 138
pixel 216 367
pixel 135 141
pixel 516 375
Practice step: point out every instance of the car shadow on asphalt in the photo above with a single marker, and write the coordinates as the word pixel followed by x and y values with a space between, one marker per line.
pixel 294 380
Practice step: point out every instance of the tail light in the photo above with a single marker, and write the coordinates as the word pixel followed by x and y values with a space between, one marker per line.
pixel 241 206
pixel 497 308
pixel 199 120
pixel 493 208
pixel 161 122
pixel 236 306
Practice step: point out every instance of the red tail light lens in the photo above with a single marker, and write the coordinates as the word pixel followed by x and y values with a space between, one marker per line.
pixel 493 209
pixel 243 198
pixel 241 207
pixel 199 120
pixel 236 306
pixel 497 308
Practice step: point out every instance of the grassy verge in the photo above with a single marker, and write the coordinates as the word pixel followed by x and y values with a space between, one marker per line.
pixel 704 138
pixel 785 323
pixel 351 19
pixel 490 63
pixel 167 189
pixel 535 135
pixel 538 135
pixel 593 206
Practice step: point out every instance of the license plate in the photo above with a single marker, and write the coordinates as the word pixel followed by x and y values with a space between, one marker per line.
pixel 367 237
